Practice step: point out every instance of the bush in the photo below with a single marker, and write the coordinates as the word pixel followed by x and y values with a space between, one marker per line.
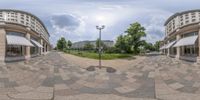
pixel 112 50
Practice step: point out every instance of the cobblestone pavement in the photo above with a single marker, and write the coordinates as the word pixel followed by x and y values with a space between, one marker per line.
pixel 52 77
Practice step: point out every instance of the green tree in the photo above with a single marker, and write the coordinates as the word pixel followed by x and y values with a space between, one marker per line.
pixel 69 43
pixel 88 46
pixel 149 46
pixel 61 44
pixel 134 34
pixel 157 45
pixel 122 44
pixel 131 42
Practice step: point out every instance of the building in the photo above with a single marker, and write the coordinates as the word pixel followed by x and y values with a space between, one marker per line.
pixel 182 31
pixel 22 35
pixel 81 44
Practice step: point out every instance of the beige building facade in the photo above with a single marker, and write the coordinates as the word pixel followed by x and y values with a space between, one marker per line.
pixel 182 32
pixel 22 36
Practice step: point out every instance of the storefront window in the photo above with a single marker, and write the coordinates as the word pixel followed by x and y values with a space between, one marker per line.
pixel 34 50
pixel 190 51
pixel 14 51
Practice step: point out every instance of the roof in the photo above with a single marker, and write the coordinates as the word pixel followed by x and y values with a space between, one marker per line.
pixel 28 14
pixel 179 13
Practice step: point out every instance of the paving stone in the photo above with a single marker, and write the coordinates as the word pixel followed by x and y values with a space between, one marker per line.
pixel 49 82
pixel 196 84
pixel 176 85
pixel 45 89
pixel 60 87
pixel 32 96
pixel 151 75
pixel 1 85
pixel 23 88
pixel 124 89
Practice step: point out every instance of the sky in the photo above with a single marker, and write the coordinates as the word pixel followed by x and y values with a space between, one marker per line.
pixel 76 20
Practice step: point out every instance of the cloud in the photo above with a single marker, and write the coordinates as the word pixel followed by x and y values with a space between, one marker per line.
pixel 65 21
pixel 67 25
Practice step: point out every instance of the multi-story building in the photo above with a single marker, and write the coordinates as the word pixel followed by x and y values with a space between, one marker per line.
pixel 81 44
pixel 182 31
pixel 22 35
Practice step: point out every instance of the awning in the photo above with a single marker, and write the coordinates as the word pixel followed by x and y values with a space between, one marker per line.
pixel 36 43
pixel 170 44
pixel 186 41
pixel 163 47
pixel 18 40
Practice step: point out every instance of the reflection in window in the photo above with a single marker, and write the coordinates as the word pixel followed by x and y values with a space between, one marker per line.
pixel 14 51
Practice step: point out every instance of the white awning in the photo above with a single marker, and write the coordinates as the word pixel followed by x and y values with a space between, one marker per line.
pixel 186 41
pixel 163 47
pixel 36 43
pixel 18 40
pixel 170 44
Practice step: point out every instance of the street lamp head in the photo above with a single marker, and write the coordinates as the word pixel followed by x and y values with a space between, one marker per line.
pixel 103 26
pixel 97 27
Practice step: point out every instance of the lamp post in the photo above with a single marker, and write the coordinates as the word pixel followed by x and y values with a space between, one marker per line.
pixel 100 28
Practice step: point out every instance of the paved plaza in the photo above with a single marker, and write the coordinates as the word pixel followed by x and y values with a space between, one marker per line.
pixel 54 77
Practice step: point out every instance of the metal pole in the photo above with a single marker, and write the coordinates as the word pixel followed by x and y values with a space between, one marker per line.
pixel 100 48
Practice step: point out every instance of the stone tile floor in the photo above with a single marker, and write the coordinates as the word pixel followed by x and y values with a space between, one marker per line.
pixel 52 77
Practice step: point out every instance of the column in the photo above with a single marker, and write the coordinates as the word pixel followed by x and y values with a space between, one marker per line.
pixel 168 50
pixel 198 58
pixel 28 54
pixel 41 49
pixel 2 45
pixel 199 44
pixel 178 50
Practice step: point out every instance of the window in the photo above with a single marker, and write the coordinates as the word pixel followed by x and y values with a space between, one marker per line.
pixel 187 21
pixel 190 51
pixel 193 20
pixel 181 23
pixel 193 16
pixel 22 22
pixel 16 33
pixel 190 34
pixel 14 51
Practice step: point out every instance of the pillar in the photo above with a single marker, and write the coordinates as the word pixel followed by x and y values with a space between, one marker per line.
pixel 199 44
pixel 198 58
pixel 28 54
pixel 2 45
pixel 168 50
pixel 178 50
pixel 41 49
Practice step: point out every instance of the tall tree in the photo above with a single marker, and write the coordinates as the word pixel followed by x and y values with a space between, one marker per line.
pixel 157 45
pixel 69 43
pixel 134 34
pixel 61 44
pixel 122 44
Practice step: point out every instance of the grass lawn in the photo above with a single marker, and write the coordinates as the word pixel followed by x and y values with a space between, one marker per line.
pixel 96 55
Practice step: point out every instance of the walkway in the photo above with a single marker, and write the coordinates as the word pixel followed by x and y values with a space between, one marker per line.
pixel 55 77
